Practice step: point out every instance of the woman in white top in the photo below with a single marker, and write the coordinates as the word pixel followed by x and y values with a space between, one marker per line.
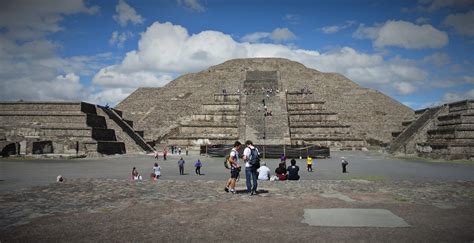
pixel 156 171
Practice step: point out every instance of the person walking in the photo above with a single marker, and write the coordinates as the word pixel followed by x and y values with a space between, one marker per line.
pixel 198 166
pixel 181 163
pixel 234 167
pixel 252 163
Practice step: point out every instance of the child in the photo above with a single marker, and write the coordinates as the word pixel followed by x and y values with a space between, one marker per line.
pixel 156 172
pixel 135 175
pixel 198 166
pixel 309 161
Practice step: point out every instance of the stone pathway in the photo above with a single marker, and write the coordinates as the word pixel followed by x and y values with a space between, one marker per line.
pixel 103 195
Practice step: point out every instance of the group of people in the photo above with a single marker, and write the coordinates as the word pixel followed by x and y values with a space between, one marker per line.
pixel 177 150
pixel 251 157
pixel 156 173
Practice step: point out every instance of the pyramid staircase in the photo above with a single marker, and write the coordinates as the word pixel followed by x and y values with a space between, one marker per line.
pixel 453 135
pixel 311 123
pixel 216 123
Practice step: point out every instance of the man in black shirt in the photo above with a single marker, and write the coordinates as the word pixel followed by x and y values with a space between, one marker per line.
pixel 293 171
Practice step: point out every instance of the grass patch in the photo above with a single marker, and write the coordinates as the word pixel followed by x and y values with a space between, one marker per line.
pixel 429 160
pixel 400 199
pixel 367 178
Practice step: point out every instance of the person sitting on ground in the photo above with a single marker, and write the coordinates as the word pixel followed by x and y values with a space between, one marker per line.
pixel 293 171
pixel 59 178
pixel 135 175
pixel 263 172
pixel 156 172
pixel 198 166
pixel 281 171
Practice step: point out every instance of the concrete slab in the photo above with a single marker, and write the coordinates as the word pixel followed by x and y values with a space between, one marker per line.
pixel 352 217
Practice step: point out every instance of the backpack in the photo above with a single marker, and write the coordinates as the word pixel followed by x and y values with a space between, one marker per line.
pixel 227 162
pixel 254 159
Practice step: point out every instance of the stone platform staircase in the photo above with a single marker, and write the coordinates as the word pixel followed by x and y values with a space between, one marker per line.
pixel 216 123
pixel 61 128
pixel 453 135
pixel 415 130
pixel 311 123
pixel 261 127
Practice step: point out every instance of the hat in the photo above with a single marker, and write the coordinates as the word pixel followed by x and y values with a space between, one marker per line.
pixel 263 163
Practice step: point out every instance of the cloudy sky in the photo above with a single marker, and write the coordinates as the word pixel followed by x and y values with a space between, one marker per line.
pixel 418 52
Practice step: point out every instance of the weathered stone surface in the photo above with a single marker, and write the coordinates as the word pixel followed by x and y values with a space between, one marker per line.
pixel 371 115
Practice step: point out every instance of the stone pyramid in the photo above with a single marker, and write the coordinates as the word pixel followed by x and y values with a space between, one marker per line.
pixel 233 100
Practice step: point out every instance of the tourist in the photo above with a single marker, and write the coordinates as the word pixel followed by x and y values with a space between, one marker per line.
pixel 155 154
pixel 234 167
pixel 281 171
pixel 59 178
pixel 198 166
pixel 187 151
pixel 344 164
pixel 179 150
pixel 283 158
pixel 135 175
pixel 181 163
pixel 309 162
pixel 156 172
pixel 165 152
pixel 251 157
pixel 263 172
pixel 293 171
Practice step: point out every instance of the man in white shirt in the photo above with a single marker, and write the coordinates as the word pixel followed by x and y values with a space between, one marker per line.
pixel 263 172
pixel 251 155
pixel 234 167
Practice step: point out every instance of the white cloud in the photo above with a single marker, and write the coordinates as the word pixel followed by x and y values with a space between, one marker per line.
pixel 277 35
pixel 282 34
pixel 193 5
pixel 462 23
pixel 125 14
pixel 119 38
pixel 437 58
pixel 255 37
pixel 433 5
pixel 109 96
pixel 166 50
pixel 26 20
pixel 292 18
pixel 403 34
pixel 422 20
pixel 336 28
pixel 450 97
pixel 404 88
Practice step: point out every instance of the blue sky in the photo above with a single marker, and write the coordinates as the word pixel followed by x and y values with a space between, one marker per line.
pixel 418 52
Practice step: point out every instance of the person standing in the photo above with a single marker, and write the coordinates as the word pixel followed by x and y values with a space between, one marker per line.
pixel 165 152
pixel 181 163
pixel 234 167
pixel 179 150
pixel 198 166
pixel 187 151
pixel 344 164
pixel 309 162
pixel 252 160
pixel 156 172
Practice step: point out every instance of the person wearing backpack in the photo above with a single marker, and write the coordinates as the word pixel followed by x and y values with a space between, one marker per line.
pixel 252 163
pixel 234 167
